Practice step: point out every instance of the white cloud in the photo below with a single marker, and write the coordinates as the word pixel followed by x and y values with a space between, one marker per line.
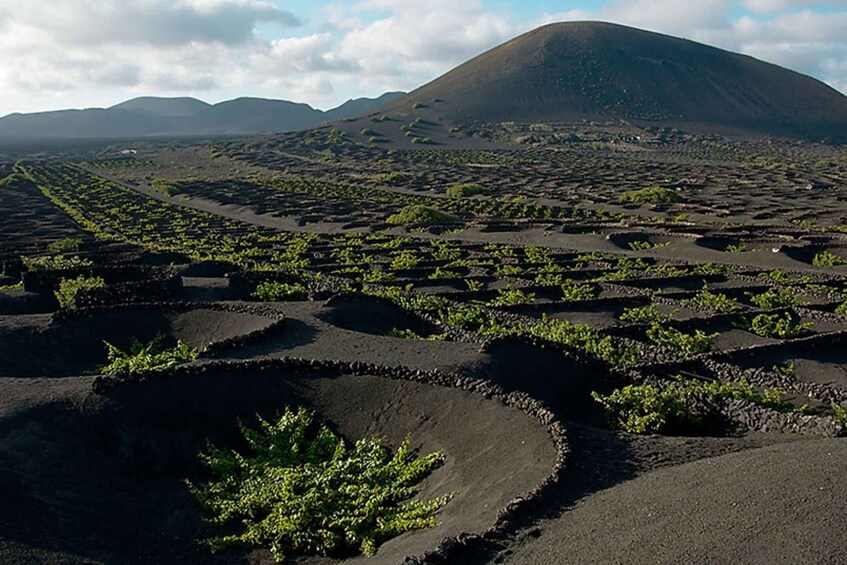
pixel 768 6
pixel 55 51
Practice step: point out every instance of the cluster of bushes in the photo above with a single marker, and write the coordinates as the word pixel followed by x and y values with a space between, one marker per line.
pixel 418 214
pixel 55 262
pixel 68 289
pixel 466 189
pixel 649 409
pixel 651 195
pixel 280 292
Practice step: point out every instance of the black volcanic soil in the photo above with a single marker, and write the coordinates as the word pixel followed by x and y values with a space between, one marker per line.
pixel 776 504
pixel 118 494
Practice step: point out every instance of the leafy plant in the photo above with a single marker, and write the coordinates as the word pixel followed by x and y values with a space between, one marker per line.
pixel 411 334
pixel 271 291
pixel 512 297
pixel 300 488
pixel 66 245
pixel 679 342
pixel 714 301
pixel 70 288
pixel 466 189
pixel 828 259
pixel 651 195
pixel 773 298
pixel 646 245
pixel 841 309
pixel 648 314
pixel 574 292
pixel 777 326
pixel 648 408
pixel 472 318
pixel 473 285
pixel 586 338
pixel 642 409
pixel 418 214
pixel 55 262
pixel 786 370
pixel 145 357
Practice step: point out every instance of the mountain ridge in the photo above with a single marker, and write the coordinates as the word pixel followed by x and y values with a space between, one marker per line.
pixel 149 116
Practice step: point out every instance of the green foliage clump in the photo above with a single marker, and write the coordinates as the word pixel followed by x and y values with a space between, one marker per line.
pixel 572 292
pixel 777 326
pixel 649 409
pixel 405 260
pixel 643 315
pixel 512 297
pixel 69 288
pixel 271 291
pixel 646 245
pixel 714 301
pixel 466 189
pixel 145 357
pixel 828 259
pixel 393 178
pixel 166 187
pixel 585 338
pixel 841 309
pixel 773 298
pixel 839 412
pixel 55 262
pixel 651 195
pixel 679 342
pixel 411 334
pixel 66 245
pixel 418 214
pixel 302 489
pixel 472 318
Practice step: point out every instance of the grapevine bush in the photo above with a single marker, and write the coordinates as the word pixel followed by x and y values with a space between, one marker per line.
pixel 300 488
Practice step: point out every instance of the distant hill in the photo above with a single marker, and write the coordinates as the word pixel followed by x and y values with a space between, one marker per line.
pixel 568 72
pixel 170 107
pixel 152 116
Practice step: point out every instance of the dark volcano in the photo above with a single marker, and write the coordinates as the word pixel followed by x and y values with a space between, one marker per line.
pixel 568 72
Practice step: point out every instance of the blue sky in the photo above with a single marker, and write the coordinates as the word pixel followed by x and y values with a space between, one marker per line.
pixel 84 53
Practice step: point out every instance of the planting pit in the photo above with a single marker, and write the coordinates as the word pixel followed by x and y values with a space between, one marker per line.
pixel 72 344
pixel 121 496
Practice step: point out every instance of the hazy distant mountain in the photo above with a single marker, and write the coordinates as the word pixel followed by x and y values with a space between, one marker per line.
pixel 577 71
pixel 171 107
pixel 152 116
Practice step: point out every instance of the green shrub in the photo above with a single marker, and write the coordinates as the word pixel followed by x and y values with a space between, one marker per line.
pixel 472 318
pixel 271 291
pixel 679 342
pixel 69 288
pixel 841 309
pixel 828 259
pixel 405 260
pixel 648 409
pixel 145 357
pixel 66 245
pixel 651 195
pixel 646 245
pixel 773 298
pixel 714 301
pixel 418 214
pixel 572 292
pixel 300 488
pixel 585 338
pixel 643 315
pixel 512 297
pixel 776 326
pixel 55 262
pixel 411 334
pixel 641 409
pixel 166 187
pixel 466 189
pixel 395 177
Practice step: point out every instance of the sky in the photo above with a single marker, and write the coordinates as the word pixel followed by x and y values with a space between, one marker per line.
pixel 95 53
